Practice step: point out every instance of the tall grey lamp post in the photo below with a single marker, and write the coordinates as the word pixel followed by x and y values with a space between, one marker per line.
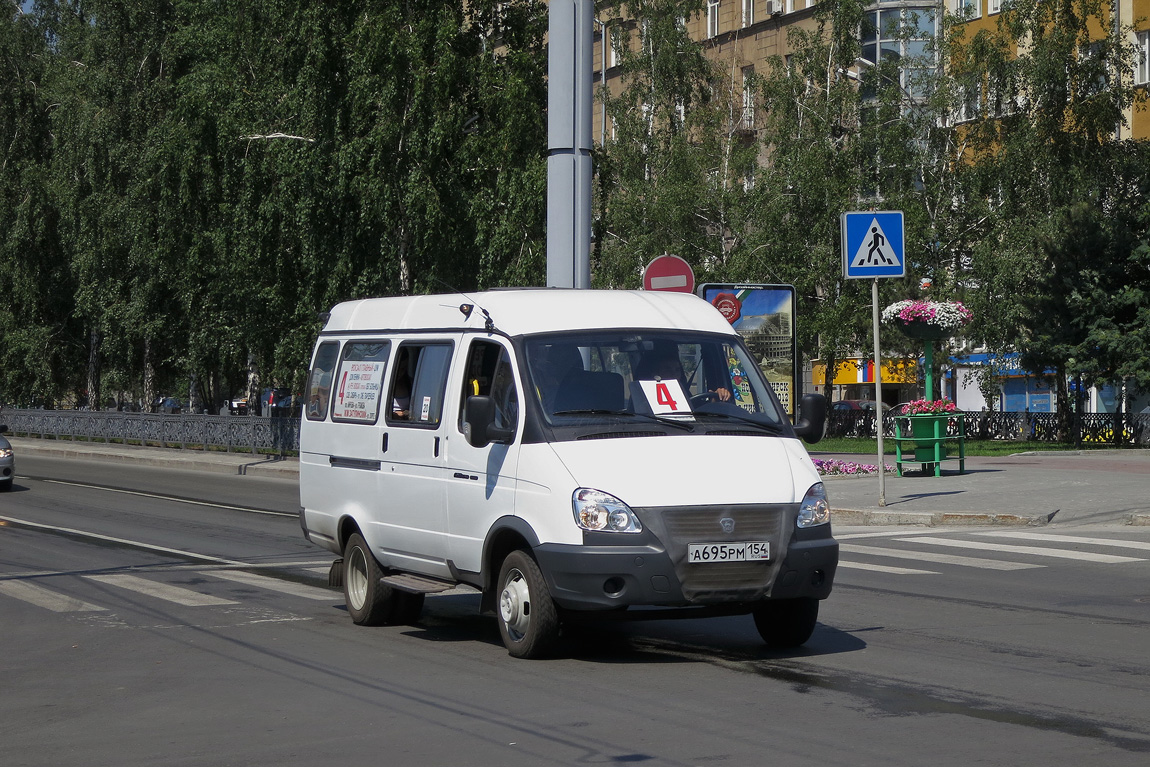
pixel 570 63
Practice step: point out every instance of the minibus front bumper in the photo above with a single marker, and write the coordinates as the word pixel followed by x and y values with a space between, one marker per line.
pixel 610 577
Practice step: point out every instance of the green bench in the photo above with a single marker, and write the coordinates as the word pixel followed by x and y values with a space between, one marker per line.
pixel 928 443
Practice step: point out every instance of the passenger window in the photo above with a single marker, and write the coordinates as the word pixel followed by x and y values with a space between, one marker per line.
pixel 360 381
pixel 319 382
pixel 418 383
pixel 489 373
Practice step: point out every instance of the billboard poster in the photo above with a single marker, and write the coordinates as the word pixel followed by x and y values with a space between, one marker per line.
pixel 764 315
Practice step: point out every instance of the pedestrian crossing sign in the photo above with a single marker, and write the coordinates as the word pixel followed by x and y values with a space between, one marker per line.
pixel 873 244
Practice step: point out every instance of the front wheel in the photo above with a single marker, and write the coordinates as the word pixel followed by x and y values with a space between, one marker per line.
pixel 528 618
pixel 786 623
pixel 369 601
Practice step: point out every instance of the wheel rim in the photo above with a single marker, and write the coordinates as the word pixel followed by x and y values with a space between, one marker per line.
pixel 357 579
pixel 515 605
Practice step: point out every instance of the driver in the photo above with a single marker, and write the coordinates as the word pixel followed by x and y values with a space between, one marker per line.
pixel 662 361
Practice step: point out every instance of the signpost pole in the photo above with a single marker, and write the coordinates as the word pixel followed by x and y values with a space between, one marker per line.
pixel 878 395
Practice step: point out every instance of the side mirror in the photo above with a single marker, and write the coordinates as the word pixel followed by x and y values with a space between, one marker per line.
pixel 479 423
pixel 812 421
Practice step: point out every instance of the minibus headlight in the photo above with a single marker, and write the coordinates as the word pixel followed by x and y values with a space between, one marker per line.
pixel 600 512
pixel 815 509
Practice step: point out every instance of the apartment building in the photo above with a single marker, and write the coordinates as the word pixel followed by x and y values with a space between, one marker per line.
pixel 743 35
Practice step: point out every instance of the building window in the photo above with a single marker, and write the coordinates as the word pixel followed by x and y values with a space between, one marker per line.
pixel 1142 68
pixel 971 9
pixel 993 6
pixel 712 18
pixel 748 12
pixel 905 37
pixel 748 98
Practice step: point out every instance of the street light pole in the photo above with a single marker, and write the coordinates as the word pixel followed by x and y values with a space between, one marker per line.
pixel 570 63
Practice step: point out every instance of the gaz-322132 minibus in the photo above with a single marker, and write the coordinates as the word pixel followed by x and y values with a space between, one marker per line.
pixel 570 454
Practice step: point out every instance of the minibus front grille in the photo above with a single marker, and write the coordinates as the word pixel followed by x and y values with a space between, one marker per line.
pixel 678 526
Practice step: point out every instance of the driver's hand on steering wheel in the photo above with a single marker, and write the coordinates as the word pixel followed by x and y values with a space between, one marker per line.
pixel 723 394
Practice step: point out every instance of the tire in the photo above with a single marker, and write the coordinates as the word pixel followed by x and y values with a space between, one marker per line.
pixel 406 607
pixel 786 623
pixel 5 486
pixel 528 618
pixel 370 602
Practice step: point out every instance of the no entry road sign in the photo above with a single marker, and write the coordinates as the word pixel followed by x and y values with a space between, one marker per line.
pixel 669 272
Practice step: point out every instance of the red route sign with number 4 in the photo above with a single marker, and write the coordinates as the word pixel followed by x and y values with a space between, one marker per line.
pixel 666 397
pixel 669 273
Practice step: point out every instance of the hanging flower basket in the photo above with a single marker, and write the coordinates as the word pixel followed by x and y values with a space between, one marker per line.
pixel 928 320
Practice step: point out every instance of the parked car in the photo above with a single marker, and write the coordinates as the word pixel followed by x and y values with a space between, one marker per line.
pixel 857 404
pixel 169 405
pixel 7 461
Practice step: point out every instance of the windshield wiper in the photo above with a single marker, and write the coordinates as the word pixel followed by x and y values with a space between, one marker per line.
pixel 648 416
pixel 770 427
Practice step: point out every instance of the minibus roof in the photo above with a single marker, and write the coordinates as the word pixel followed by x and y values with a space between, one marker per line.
pixel 537 310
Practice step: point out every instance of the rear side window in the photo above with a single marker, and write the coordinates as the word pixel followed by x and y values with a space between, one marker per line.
pixel 359 382
pixel 418 383
pixel 319 382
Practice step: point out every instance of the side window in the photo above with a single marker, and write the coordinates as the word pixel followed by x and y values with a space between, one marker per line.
pixel 319 382
pixel 418 383
pixel 359 381
pixel 489 373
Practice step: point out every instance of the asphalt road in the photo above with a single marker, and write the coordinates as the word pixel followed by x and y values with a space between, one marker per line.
pixel 140 630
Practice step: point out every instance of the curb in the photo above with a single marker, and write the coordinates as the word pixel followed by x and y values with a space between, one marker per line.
pixel 1139 519
pixel 866 517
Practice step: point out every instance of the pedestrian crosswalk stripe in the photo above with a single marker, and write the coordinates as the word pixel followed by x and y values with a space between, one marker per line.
pixel 272 584
pixel 930 556
pixel 1058 538
pixel 35 594
pixel 164 591
pixel 1084 556
pixel 884 568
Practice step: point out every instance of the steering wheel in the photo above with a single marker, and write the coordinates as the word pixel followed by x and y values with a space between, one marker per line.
pixel 705 397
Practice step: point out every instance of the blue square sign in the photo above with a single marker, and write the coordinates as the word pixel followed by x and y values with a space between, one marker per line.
pixel 873 244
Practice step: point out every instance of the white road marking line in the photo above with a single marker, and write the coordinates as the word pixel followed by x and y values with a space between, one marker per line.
pixel 41 597
pixel 171 498
pixel 1058 538
pixel 164 591
pixel 929 556
pixel 885 569
pixel 1083 556
pixel 272 584
pixel 125 541
pixel 883 534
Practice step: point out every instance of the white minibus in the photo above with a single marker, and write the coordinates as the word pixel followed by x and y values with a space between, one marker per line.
pixel 571 454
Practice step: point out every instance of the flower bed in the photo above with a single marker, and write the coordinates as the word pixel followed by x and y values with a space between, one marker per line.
pixel 833 467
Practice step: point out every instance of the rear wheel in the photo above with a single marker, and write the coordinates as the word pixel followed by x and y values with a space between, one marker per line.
pixel 528 617
pixel 369 601
pixel 786 623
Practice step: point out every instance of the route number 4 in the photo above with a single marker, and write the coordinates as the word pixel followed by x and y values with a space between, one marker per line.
pixel 665 397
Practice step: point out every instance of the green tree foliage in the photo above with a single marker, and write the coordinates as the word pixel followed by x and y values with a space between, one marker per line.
pixel 187 184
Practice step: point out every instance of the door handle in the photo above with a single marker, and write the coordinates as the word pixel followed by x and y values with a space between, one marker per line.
pixel 383 447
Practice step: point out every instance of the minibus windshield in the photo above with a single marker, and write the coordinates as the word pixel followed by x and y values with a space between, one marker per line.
pixel 672 376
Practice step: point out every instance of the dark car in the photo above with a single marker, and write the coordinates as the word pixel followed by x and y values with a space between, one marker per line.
pixel 857 404
pixel 7 461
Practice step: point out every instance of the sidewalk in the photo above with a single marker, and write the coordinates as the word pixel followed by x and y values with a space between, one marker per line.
pixel 1056 488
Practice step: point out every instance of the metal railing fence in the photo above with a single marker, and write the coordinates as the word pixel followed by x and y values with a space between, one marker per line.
pixel 183 430
pixel 1095 428
pixel 277 434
